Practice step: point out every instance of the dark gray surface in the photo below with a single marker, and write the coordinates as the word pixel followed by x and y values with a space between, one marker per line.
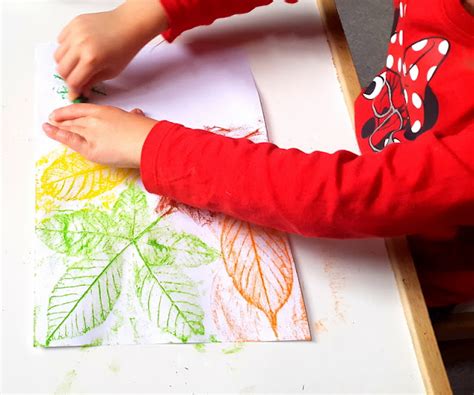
pixel 461 376
pixel 367 24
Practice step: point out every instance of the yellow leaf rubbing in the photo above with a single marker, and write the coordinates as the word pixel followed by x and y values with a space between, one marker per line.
pixel 259 262
pixel 71 177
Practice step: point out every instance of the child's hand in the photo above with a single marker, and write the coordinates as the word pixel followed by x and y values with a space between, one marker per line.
pixel 103 134
pixel 97 47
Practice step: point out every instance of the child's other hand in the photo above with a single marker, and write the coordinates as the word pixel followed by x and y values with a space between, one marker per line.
pixel 103 134
pixel 97 47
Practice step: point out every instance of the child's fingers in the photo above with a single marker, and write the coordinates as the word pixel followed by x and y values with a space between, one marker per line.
pixel 68 63
pixel 64 33
pixel 79 126
pixel 60 52
pixel 86 91
pixel 72 140
pixel 73 94
pixel 73 111
pixel 94 79
pixel 75 125
pixel 80 75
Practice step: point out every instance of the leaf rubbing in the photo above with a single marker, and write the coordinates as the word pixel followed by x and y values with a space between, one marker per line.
pixel 83 297
pixel 71 177
pixel 255 135
pixel 170 299
pixel 129 212
pixel 178 248
pixel 259 262
pixel 77 233
pixel 191 251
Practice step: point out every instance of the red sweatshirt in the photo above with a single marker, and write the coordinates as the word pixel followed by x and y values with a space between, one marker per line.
pixel 414 125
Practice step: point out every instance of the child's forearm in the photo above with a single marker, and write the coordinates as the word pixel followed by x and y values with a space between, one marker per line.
pixel 186 14
pixel 407 189
pixel 143 19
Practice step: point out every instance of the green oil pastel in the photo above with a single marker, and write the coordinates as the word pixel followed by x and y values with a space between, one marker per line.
pixel 81 99
pixel 98 243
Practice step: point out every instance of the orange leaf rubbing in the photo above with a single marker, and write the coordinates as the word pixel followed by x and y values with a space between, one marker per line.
pixel 234 318
pixel 259 262
pixel 252 134
pixel 237 132
pixel 165 206
pixel 168 206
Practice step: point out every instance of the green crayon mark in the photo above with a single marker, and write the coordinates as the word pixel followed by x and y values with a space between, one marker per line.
pixel 65 386
pixel 63 91
pixel 94 343
pixel 200 347
pixel 98 243
pixel 118 324
pixel 133 323
pixel 214 339
pixel 36 342
pixel 237 347
pixel 114 367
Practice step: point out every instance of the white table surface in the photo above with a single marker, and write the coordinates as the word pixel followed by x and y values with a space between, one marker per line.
pixel 361 341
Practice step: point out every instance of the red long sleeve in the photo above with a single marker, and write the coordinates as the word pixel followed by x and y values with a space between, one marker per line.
pixel 415 128
pixel 186 14
pixel 421 99
pixel 336 195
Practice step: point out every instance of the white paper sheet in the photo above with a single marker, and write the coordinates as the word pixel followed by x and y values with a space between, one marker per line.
pixel 116 265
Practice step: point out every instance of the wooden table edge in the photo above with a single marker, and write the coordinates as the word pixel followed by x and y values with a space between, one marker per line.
pixel 426 347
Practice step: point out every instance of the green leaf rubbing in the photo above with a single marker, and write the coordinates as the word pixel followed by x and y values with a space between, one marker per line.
pixel 85 295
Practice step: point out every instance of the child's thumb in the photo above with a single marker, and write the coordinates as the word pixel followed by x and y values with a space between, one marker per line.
pixel 73 94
